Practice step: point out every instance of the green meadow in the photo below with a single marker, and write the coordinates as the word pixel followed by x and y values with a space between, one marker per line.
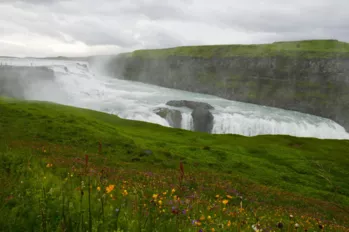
pixel 70 169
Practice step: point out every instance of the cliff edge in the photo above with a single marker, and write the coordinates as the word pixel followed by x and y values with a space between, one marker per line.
pixel 306 76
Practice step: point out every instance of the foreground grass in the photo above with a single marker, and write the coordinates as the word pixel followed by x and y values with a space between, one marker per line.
pixel 69 169
pixel 305 48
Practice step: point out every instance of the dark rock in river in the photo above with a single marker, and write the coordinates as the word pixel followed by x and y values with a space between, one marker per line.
pixel 173 117
pixel 202 119
pixel 190 104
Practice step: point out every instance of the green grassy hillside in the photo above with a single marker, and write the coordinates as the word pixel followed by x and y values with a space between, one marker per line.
pixel 305 48
pixel 133 166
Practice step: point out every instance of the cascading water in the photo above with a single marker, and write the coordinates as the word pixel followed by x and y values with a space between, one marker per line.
pixel 75 84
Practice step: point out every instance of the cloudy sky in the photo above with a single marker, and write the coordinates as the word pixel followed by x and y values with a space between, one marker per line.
pixel 89 27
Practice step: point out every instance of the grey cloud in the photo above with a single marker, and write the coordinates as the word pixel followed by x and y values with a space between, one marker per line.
pixel 159 23
pixel 295 16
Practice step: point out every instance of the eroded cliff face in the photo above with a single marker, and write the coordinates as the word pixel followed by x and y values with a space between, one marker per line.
pixel 318 86
pixel 17 82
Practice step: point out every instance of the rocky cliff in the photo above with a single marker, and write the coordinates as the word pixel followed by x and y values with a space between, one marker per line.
pixel 16 81
pixel 306 76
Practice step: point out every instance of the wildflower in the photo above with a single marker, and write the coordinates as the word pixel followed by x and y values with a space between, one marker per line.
pixel 160 202
pixel 125 193
pixel 228 196
pixel 155 196
pixel 193 222
pixel 202 218
pixel 291 216
pixel 217 196
pixel 229 223
pixel 184 211
pixel 296 226
pixel 224 209
pixel 98 188
pixel 49 165
pixel 110 188
pixel 173 191
pixel 225 202
pixel 256 228
pixel 213 230
pixel 117 210
pixel 174 210
pixel 164 193
pixel 209 217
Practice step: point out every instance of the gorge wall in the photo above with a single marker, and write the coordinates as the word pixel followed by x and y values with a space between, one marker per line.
pixel 313 82
pixel 17 81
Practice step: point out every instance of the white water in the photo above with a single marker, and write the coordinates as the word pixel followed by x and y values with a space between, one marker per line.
pixel 78 86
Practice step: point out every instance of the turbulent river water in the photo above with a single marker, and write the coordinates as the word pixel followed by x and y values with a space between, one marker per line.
pixel 77 84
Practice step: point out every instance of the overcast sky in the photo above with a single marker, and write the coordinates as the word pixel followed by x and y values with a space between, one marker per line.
pixel 89 27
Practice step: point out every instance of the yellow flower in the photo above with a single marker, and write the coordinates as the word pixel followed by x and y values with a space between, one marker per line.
pixel 160 202
pixel 213 230
pixel 229 223
pixel 155 196
pixel 217 196
pixel 110 188
pixel 125 193
pixel 209 217
pixel 49 165
pixel 225 202
pixel 202 218
pixel 98 188
pixel 224 209
pixel 173 191
pixel 230 197
pixel 164 193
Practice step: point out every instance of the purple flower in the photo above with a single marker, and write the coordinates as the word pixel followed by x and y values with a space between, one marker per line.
pixel 184 211
pixel 194 222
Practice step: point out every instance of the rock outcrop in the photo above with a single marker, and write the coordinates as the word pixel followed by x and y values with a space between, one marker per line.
pixel 202 119
pixel 190 104
pixel 173 117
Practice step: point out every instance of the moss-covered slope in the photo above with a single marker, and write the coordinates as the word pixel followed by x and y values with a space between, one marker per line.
pixel 291 163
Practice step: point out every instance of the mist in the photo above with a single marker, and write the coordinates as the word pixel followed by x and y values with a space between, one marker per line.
pixel 93 85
